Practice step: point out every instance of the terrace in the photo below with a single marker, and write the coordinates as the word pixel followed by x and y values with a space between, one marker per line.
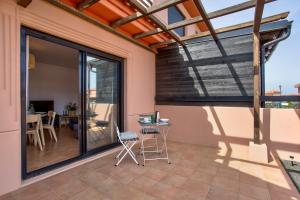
pixel 86 67
pixel 210 174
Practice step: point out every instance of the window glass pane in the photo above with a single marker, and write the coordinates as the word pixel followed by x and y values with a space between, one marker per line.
pixel 53 125
pixel 174 15
pixel 102 102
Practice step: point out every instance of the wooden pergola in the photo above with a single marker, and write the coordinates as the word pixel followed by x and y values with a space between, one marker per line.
pixel 204 17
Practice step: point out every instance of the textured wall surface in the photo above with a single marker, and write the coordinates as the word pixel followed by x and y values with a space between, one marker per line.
pixel 39 15
pixel 232 127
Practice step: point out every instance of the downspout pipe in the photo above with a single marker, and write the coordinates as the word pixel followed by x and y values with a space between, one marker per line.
pixel 263 52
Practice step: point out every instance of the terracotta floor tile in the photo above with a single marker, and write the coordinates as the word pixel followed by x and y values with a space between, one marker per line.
pixel 276 195
pixel 278 192
pixel 89 194
pixel 250 179
pixel 173 180
pixel 242 197
pixel 34 191
pixel 202 177
pixel 196 173
pixel 7 197
pixel 226 184
pixel 254 192
pixel 94 179
pixel 217 193
pixel 196 188
pixel 227 172
pixel 163 191
pixel 207 168
pixel 69 189
pixel 154 174
pixel 142 183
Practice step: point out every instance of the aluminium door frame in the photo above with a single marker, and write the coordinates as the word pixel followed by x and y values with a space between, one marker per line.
pixel 83 51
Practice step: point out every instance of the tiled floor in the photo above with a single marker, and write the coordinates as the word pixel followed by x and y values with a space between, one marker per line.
pixel 196 172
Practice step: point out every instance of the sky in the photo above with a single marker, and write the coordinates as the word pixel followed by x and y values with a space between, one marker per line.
pixel 283 68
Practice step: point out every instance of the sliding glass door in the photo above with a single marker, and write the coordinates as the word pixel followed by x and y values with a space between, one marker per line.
pixel 103 99
pixel 71 98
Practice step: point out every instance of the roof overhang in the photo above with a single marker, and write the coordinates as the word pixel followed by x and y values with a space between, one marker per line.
pixel 136 23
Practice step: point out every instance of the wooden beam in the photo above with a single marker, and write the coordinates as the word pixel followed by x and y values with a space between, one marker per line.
pixel 212 15
pixel 157 21
pixel 232 28
pixel 24 3
pixel 85 4
pixel 235 8
pixel 256 68
pixel 238 26
pixel 85 17
pixel 256 86
pixel 149 11
pixel 258 15
pixel 206 19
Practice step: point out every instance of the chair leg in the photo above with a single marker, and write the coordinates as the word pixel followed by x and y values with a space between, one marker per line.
pixel 128 150
pixel 143 150
pixel 42 136
pixel 39 140
pixel 120 153
pixel 131 152
pixel 49 131
pixel 54 134
pixel 156 142
pixel 35 140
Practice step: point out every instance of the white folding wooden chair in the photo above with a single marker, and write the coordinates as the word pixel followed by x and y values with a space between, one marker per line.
pixel 35 121
pixel 50 125
pixel 128 139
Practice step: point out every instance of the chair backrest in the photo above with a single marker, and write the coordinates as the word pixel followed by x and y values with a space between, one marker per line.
pixel 51 117
pixel 34 119
pixel 117 129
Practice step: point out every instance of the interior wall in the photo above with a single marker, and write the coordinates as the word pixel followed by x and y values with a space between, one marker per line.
pixel 57 83
pixel 232 127
pixel 139 73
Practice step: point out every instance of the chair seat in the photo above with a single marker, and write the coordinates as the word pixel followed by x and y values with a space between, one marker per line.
pixel 128 136
pixel 32 131
pixel 102 123
pixel 46 126
pixel 150 131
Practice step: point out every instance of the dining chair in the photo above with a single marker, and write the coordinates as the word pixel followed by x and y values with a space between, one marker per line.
pixel 50 125
pixel 128 139
pixel 35 122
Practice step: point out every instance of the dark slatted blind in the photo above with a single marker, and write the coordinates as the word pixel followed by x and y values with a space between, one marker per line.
pixel 202 72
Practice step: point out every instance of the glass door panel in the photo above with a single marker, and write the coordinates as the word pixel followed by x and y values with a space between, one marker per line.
pixel 102 101
pixel 53 125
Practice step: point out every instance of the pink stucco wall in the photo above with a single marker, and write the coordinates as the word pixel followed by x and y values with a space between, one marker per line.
pixel 139 72
pixel 232 127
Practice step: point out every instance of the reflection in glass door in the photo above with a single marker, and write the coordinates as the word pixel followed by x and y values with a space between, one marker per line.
pixel 102 101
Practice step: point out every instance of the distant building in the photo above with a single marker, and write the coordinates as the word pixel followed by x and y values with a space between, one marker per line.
pixel 298 86
pixel 273 93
